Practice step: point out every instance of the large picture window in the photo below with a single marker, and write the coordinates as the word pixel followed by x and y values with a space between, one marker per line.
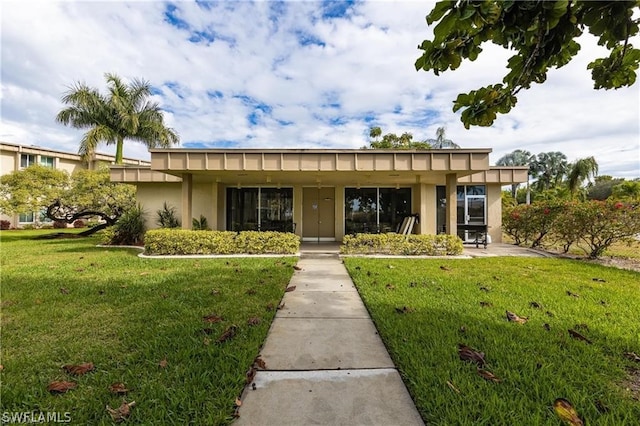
pixel 260 209
pixel 375 210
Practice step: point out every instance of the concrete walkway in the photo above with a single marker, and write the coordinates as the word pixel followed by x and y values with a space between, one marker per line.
pixel 326 364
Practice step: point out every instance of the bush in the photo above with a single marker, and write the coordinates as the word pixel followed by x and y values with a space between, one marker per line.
pixel 59 224
pixel 167 217
pixel 78 223
pixel 596 224
pixel 397 244
pixel 531 223
pixel 200 224
pixel 5 224
pixel 129 229
pixel 181 242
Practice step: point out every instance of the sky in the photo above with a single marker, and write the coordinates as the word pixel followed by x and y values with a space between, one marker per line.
pixel 293 74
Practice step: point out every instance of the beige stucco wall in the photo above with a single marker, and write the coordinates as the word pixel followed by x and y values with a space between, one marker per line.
pixel 152 196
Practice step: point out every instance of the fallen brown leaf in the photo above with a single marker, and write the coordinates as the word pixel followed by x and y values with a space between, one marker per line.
pixel 445 268
pixel 238 402
pixel 121 413
pixel 215 292
pixel 535 305
pixel 228 334
pixel 486 289
pixel 391 267
pixel 578 336
pixel 251 374
pixel 79 370
pixel 632 356
pixel 488 375
pixel 469 354
pixel 163 363
pixel 546 326
pixel 269 307
pixel 405 310
pixel 390 287
pixel 600 280
pixel 515 318
pixel 566 412
pixel 297 268
pixel 291 288
pixel 485 304
pixel 212 318
pixel 254 321
pixel 251 292
pixel 64 290
pixel 569 293
pixel 259 362
pixel 280 306
pixel 61 386
pixel 549 314
pixel 118 388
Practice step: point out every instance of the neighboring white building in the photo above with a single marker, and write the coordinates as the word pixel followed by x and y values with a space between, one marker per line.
pixel 17 157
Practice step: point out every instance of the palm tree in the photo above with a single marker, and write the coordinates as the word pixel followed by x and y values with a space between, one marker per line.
pixel 441 142
pixel 583 169
pixel 124 113
pixel 550 169
pixel 519 157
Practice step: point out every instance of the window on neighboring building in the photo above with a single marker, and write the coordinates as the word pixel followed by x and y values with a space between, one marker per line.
pixel 25 217
pixel 260 209
pixel 47 161
pixel 374 210
pixel 27 160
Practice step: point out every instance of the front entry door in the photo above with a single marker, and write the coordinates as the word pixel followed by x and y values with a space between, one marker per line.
pixel 318 214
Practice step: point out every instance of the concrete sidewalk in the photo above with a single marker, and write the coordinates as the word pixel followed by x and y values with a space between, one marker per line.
pixel 326 364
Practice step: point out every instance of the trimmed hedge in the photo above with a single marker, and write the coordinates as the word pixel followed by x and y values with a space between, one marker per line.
pixel 397 244
pixel 182 241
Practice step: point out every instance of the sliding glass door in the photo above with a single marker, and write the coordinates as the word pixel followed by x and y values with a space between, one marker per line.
pixel 375 210
pixel 260 209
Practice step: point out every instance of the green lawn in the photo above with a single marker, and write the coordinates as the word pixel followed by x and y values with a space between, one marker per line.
pixel 424 308
pixel 69 302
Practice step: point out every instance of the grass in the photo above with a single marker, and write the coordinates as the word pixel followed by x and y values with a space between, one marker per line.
pixel 536 366
pixel 69 302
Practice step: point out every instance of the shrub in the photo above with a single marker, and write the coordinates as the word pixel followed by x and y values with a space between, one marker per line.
pixel 181 242
pixel 78 223
pixel 531 223
pixel 59 224
pixel 200 224
pixel 47 225
pixel 130 228
pixel 167 217
pixel 598 224
pixel 5 224
pixel 397 244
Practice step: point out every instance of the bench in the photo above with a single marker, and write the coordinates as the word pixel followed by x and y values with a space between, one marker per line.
pixel 480 232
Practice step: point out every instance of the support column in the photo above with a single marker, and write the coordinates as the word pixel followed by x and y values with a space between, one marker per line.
pixel 451 220
pixel 187 196
pixel 213 212
pixel 339 214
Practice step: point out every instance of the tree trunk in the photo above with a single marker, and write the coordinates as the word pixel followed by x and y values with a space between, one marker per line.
pixel 119 144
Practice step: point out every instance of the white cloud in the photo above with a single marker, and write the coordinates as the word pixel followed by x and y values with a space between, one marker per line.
pixel 349 73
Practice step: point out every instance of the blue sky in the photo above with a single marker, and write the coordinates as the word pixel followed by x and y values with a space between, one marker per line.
pixel 292 74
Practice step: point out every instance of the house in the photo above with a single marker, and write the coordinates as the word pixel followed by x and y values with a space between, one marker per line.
pixel 17 157
pixel 322 194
